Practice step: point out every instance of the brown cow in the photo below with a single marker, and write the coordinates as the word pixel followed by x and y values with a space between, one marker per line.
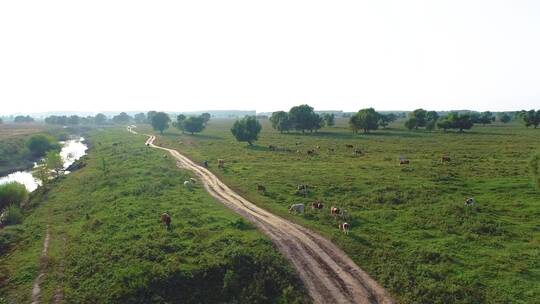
pixel 317 205
pixel 334 211
pixel 221 163
pixel 349 146
pixel 344 227
pixel 445 158
pixel 311 152
pixel 166 219
pixel 357 152
pixel 261 188
pixel 403 161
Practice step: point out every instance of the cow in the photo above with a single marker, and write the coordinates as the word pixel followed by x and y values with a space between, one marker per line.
pixel 297 208
pixel 334 211
pixel 205 164
pixel 445 158
pixel 316 205
pixel 192 180
pixel 470 201
pixel 357 152
pixel 403 161
pixel 221 163
pixel 166 220
pixel 311 152
pixel 272 148
pixel 349 146
pixel 344 227
pixel 261 188
pixel 187 184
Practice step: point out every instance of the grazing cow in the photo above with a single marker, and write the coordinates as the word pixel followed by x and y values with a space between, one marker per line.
pixel 470 201
pixel 166 220
pixel 193 180
pixel 297 208
pixel 349 146
pixel 205 164
pixel 403 161
pixel 334 211
pixel 272 148
pixel 261 188
pixel 317 205
pixel 331 150
pixel 221 163
pixel 311 152
pixel 187 184
pixel 357 152
pixel 344 227
pixel 445 158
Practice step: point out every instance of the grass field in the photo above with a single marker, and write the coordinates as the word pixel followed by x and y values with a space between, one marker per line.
pixel 410 228
pixel 108 245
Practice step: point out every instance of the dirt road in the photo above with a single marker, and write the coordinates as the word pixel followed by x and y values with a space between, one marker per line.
pixel 329 275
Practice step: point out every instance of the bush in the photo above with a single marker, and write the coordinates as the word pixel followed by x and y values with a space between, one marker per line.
pixel 39 144
pixel 9 236
pixel 12 216
pixel 12 193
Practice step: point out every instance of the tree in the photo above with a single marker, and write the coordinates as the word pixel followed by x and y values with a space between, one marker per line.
pixel 194 124
pixel 39 144
pixel 100 119
pixel 303 118
pixel 140 118
pixel 179 124
pixel 457 121
pixel 419 116
pixel 12 193
pixel 42 173
pixel 1 120
pixel 247 129
pixel 531 118
pixel 365 119
pixel 160 121
pixel 54 162
pixel 122 118
pixel 411 123
pixel 206 117
pixel 150 115
pixel 384 120
pixel 21 119
pixel 444 124
pixel 74 120
pixel 485 118
pixel 329 119
pixel 504 117
pixel 280 121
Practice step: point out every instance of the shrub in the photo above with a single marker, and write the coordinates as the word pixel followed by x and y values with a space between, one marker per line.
pixel 12 193
pixel 12 216
pixel 39 144
pixel 8 236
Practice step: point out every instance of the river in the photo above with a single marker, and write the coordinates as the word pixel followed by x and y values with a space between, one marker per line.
pixel 72 150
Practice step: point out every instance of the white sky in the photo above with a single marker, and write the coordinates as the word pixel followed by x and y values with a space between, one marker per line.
pixel 268 55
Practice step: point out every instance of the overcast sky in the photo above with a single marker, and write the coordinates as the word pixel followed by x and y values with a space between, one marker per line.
pixel 268 55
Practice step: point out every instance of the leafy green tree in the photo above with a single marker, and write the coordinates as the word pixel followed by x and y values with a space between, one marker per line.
pixel 280 121
pixel 206 117
pixel 329 119
pixel 74 120
pixel 179 124
pixel 39 144
pixel 531 118
pixel 365 119
pixel 385 119
pixel 303 118
pixel 194 124
pixel 42 173
pixel 12 193
pixel 100 119
pixel 483 118
pixel 460 121
pixel 122 118
pixel 444 124
pixel 411 123
pixel 246 129
pixel 504 117
pixel 54 162
pixel 160 121
pixel 150 115
pixel 419 116
pixel 140 118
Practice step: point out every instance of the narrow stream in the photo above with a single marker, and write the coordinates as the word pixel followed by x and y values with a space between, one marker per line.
pixel 72 150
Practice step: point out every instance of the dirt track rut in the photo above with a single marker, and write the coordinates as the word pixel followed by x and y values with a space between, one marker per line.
pixel 329 275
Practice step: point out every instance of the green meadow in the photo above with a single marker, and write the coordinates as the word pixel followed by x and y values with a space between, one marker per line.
pixel 410 228
pixel 108 245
